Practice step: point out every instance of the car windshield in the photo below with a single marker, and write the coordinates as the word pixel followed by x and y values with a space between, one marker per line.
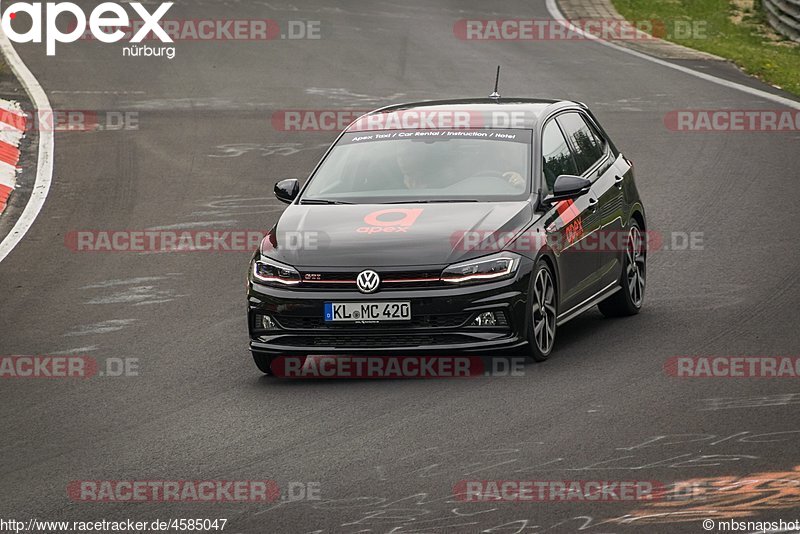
pixel 425 166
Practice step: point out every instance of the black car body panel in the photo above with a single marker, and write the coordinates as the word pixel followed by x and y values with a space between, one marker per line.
pixel 351 238
pixel 438 326
pixel 355 236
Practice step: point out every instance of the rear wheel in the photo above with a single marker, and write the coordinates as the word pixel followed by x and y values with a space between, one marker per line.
pixel 629 300
pixel 263 362
pixel 542 325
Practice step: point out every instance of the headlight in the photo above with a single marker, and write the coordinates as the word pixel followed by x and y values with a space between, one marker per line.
pixel 271 272
pixel 495 267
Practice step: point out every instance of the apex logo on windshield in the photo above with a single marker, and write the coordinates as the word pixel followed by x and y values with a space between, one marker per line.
pixel 102 21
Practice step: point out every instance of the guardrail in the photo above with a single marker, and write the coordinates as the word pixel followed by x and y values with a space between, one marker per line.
pixel 784 16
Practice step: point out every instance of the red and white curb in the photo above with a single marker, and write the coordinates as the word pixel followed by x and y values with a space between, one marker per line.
pixel 44 154
pixel 12 129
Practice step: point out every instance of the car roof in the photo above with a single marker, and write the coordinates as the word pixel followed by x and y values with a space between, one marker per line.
pixel 532 110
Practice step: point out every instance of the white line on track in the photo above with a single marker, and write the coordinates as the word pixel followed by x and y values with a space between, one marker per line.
pixel 552 7
pixel 44 163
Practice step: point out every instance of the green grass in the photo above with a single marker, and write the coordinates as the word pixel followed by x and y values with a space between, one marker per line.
pixel 734 29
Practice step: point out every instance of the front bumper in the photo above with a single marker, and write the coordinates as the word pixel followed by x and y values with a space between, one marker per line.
pixel 439 325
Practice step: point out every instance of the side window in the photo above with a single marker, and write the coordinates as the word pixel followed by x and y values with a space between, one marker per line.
pixel 588 146
pixel 556 155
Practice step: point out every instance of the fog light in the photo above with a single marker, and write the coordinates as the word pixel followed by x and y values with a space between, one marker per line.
pixel 485 319
pixel 265 322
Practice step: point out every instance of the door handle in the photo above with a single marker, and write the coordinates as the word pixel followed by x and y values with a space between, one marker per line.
pixel 593 204
pixel 618 181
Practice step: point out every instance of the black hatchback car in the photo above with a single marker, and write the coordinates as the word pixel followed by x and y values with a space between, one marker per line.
pixel 450 227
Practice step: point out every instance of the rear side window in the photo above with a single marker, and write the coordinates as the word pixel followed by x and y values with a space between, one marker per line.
pixel 589 147
pixel 556 155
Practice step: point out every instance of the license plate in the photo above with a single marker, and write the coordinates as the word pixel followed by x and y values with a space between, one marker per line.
pixel 367 312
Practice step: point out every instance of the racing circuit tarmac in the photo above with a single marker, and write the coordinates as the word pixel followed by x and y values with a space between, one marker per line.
pixel 387 454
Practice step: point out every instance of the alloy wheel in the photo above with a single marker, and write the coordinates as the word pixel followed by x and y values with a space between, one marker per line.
pixel 544 311
pixel 635 266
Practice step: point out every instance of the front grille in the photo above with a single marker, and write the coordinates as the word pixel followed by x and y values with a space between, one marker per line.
pixel 362 341
pixel 421 321
pixel 389 279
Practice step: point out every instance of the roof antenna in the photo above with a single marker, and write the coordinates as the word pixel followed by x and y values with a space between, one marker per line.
pixel 495 95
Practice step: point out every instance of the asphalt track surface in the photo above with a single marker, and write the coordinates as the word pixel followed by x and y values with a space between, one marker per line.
pixel 387 453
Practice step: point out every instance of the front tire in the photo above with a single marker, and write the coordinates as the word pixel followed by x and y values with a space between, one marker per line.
pixel 629 300
pixel 543 312
pixel 263 362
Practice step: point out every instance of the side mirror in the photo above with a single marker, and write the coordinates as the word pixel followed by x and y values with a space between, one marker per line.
pixel 568 187
pixel 286 190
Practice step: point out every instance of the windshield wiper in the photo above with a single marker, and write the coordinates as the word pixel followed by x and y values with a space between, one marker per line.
pixel 433 201
pixel 322 201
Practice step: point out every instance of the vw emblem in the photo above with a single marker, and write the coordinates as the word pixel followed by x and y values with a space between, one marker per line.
pixel 368 281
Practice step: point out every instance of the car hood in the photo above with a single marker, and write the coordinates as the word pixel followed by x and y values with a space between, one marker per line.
pixel 381 235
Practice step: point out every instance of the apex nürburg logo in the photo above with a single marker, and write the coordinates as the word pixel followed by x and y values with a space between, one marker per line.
pixel 104 23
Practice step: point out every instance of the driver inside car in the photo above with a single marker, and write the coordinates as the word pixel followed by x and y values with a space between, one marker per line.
pixel 416 171
pixel 514 179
